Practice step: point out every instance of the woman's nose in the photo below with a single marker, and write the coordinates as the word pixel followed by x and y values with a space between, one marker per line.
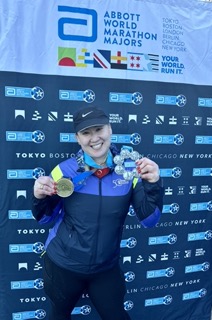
pixel 94 136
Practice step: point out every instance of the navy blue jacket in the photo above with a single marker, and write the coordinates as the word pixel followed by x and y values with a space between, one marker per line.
pixel 88 225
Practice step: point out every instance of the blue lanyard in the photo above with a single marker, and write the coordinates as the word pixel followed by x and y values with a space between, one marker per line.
pixel 79 179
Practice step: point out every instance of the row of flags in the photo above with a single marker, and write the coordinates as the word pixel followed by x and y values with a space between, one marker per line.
pixel 106 59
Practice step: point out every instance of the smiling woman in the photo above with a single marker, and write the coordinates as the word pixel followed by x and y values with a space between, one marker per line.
pixel 93 133
pixel 95 142
pixel 90 200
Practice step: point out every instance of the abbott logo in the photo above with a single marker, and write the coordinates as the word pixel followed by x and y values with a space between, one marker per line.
pixel 81 25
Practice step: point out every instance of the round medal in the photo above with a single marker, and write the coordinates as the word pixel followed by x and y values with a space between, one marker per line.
pixel 119 160
pixel 65 187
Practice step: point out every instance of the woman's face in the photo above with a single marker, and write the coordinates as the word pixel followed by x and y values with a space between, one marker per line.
pixel 95 141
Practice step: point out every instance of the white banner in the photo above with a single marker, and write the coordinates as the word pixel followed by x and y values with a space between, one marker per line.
pixel 168 41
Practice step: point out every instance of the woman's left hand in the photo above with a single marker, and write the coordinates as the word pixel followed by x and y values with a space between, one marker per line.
pixel 148 169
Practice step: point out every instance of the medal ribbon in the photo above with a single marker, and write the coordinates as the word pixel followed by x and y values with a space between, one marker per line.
pixel 79 179
pixel 91 163
pixel 57 174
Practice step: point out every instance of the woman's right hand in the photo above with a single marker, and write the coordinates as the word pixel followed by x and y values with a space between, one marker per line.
pixel 44 186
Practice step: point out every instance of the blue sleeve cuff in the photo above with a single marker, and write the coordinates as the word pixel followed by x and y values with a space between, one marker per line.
pixel 57 211
pixel 151 220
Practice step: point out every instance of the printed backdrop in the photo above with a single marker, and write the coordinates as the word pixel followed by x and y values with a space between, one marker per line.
pixel 148 65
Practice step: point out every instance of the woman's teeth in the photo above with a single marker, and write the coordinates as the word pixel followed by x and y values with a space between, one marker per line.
pixel 97 146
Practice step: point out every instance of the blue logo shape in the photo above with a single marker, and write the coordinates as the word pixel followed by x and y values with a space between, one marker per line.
pixel 38 283
pixel 118 97
pixel 174 208
pixel 202 293
pixel 209 206
pixel 208 235
pixel 194 294
pixel 203 139
pixel 128 243
pixel 137 98
pixel 38 172
pixel 172 238
pixel 178 139
pixel 135 138
pixel 37 93
pixel 170 272
pixel 40 314
pixel 167 300
pixel 200 206
pixel 205 102
pixel 128 305
pixel 202 172
pixel 131 242
pixel 20 214
pixel 158 301
pixel 171 172
pixel 131 211
pixel 205 266
pixel 180 100
pixel 129 276
pixel 176 172
pixel 25 173
pixel 38 136
pixel 38 247
pixel 88 96
pixel 75 22
pixel 37 314
pixel 85 310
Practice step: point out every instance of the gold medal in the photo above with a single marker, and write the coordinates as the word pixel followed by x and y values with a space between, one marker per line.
pixel 65 187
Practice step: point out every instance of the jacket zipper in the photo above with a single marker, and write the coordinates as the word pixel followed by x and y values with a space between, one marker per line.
pixel 99 214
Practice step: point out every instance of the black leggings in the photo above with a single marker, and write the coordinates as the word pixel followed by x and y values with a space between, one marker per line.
pixel 64 288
